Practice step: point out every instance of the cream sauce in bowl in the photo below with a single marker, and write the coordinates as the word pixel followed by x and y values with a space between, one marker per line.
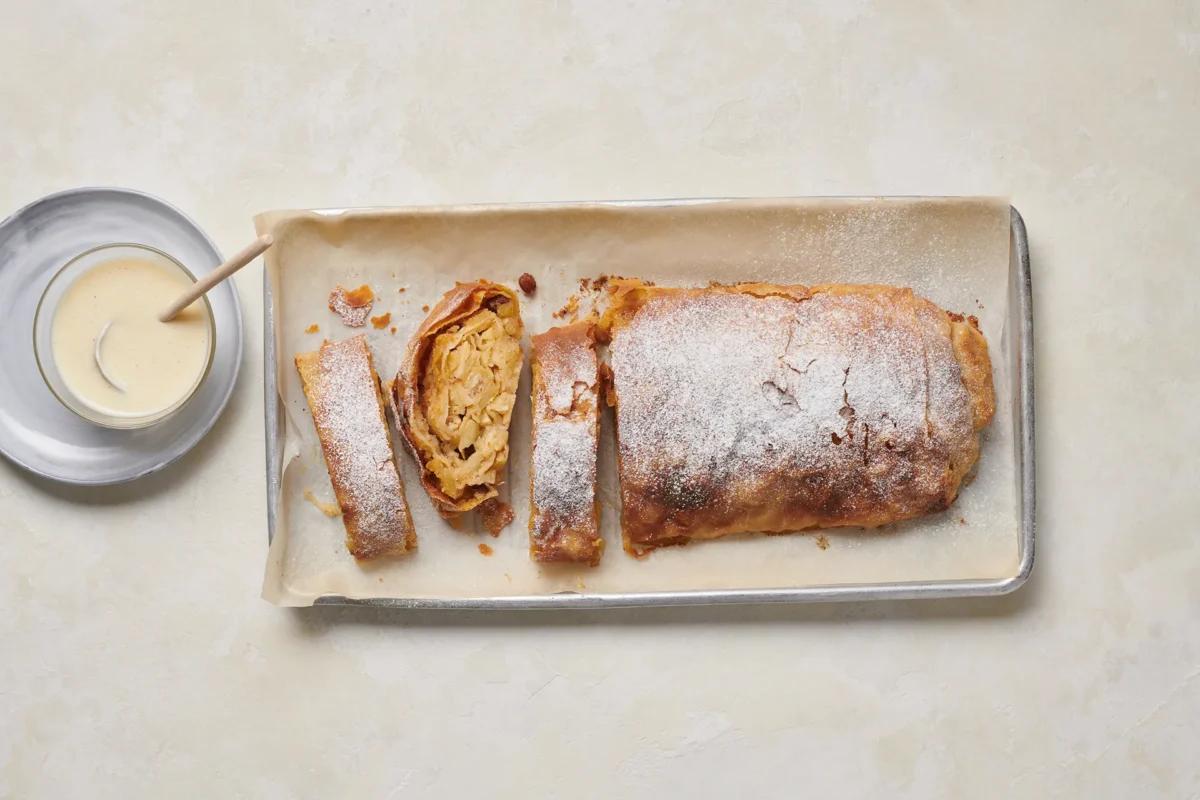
pixel 110 359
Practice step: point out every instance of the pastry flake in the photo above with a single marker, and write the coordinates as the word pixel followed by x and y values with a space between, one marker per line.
pixel 352 305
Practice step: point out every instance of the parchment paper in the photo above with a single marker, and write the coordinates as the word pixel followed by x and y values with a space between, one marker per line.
pixel 953 251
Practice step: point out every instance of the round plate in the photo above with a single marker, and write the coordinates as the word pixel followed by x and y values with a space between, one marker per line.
pixel 36 431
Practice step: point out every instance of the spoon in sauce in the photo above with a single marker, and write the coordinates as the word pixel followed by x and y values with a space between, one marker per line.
pixel 113 382
pixel 239 259
pixel 204 284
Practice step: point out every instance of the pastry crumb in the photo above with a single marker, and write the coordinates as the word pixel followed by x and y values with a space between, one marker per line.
pixel 352 305
pixel 527 283
pixel 328 509
pixel 314 328
pixel 382 320
pixel 570 308
pixel 485 549
pixel 495 514
pixel 595 284
pixel 822 542
pixel 425 308
pixel 392 330
pixel 962 520
pixel 606 387
pixel 970 319
pixel 402 289
pixel 589 292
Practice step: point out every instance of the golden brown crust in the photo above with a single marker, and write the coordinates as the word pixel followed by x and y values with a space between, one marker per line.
pixel 342 389
pixel 971 351
pixel 564 522
pixel 628 295
pixel 458 471
pixel 780 408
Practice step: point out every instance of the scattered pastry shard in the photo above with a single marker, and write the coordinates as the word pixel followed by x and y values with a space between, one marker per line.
pixel 352 305
pixel 343 394
pixel 455 391
pixel 564 522
pixel 781 408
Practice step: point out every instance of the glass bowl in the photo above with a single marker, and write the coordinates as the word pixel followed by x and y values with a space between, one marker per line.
pixel 43 326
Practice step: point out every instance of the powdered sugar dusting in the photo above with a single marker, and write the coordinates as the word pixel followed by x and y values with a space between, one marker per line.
pixel 565 409
pixel 564 473
pixel 718 389
pixel 347 412
pixel 568 374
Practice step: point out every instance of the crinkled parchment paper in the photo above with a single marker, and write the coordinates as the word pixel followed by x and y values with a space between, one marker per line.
pixel 953 251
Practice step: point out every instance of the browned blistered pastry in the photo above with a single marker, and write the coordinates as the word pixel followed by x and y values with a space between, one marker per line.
pixel 455 393
pixel 343 394
pixel 779 408
pixel 564 521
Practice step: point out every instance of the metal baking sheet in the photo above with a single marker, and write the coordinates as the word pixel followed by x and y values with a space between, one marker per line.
pixel 1009 328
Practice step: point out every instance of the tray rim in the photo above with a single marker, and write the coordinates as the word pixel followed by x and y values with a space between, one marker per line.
pixel 909 590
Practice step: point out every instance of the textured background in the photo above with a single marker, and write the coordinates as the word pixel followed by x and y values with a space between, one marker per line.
pixel 135 655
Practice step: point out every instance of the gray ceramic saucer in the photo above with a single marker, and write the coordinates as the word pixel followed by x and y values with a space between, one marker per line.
pixel 36 431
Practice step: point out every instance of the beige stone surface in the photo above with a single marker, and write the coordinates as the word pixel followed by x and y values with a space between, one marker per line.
pixel 136 658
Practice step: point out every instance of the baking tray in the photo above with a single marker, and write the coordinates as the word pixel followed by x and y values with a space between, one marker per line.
pixel 1015 347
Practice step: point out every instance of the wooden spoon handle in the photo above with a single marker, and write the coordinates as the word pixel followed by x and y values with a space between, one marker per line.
pixel 239 259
